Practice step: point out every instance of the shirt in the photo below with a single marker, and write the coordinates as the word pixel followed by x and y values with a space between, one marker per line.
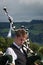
pixel 11 52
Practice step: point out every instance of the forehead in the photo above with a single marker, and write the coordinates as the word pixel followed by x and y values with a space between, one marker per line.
pixel 23 37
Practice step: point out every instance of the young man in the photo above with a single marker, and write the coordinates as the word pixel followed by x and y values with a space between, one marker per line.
pixel 15 50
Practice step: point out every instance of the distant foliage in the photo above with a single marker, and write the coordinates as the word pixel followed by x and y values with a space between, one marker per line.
pixel 4 43
pixel 41 50
pixel 34 46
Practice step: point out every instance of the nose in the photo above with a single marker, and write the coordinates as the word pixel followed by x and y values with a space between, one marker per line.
pixel 22 41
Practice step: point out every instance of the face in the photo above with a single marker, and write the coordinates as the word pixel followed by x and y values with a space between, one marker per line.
pixel 21 40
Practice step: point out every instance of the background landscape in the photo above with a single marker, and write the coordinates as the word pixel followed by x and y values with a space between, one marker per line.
pixel 35 29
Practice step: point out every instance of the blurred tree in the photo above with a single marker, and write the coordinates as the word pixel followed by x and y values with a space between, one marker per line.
pixel 34 46
pixel 41 50
pixel 4 43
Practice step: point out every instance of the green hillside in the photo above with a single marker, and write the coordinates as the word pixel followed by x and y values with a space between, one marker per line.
pixel 35 29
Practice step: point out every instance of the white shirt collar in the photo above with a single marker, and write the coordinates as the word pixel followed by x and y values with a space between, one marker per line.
pixel 16 45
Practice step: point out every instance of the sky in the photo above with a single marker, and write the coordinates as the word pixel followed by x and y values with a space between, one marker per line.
pixel 22 10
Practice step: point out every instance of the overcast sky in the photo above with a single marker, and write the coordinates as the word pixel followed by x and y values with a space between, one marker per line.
pixel 22 10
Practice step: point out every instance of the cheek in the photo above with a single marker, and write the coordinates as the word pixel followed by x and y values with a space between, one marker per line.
pixel 21 42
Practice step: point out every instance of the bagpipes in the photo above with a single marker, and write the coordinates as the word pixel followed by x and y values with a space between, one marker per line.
pixel 33 56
